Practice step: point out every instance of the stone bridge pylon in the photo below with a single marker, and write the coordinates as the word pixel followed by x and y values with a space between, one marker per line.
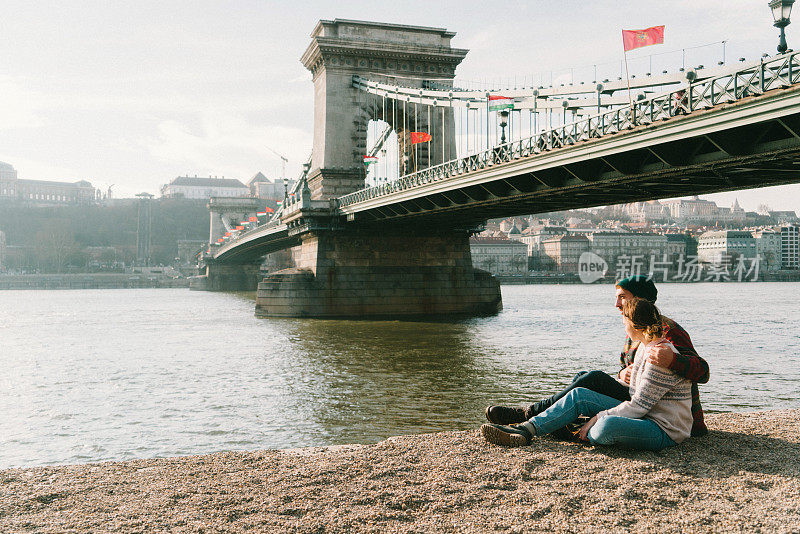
pixel 347 270
pixel 411 55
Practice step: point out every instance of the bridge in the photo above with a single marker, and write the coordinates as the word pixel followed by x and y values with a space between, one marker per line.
pixel 366 244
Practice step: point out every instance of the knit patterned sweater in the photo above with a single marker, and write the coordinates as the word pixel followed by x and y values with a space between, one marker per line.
pixel 687 364
pixel 657 394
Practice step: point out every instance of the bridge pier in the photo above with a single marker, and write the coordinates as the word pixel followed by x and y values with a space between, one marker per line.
pixel 379 274
pixel 233 277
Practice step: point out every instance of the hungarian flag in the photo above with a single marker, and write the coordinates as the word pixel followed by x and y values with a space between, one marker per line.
pixel 498 102
pixel 420 137
pixel 638 38
pixel 261 213
pixel 370 159
pixel 279 202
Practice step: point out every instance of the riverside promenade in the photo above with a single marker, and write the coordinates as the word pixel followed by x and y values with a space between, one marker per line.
pixel 744 477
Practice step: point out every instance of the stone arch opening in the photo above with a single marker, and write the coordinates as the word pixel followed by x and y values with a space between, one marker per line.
pixel 404 118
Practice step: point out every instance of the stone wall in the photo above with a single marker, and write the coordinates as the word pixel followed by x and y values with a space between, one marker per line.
pixel 372 275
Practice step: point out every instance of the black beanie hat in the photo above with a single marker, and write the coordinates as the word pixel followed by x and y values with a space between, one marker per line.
pixel 641 286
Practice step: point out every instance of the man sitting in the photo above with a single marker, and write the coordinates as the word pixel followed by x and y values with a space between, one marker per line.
pixel 685 363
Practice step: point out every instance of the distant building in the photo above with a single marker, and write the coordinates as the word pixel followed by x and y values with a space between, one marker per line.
pixel 43 191
pixel 506 225
pixel 262 187
pixel 768 248
pixel 564 252
pixel 533 237
pixel 204 188
pixel 697 210
pixel 693 209
pixel 499 255
pixel 784 217
pixel 576 222
pixel 612 245
pixel 644 212
pixel 7 172
pixel 2 251
pixel 790 246
pixel 725 246
pixel 679 245
pixel 514 232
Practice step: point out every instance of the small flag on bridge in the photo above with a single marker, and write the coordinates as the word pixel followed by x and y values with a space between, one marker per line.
pixel 498 102
pixel 261 214
pixel 254 218
pixel 420 137
pixel 227 234
pixel 369 160
pixel 240 228
pixel 638 38
pixel 268 210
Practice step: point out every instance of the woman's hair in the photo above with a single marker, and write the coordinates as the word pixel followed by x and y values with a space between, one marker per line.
pixel 645 317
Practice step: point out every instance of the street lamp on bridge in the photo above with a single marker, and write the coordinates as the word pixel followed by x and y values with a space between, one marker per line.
pixel 781 10
pixel 503 124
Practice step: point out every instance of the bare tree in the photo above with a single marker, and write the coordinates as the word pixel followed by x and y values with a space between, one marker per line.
pixel 52 247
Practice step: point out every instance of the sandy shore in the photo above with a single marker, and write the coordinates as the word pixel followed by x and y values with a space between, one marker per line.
pixel 743 476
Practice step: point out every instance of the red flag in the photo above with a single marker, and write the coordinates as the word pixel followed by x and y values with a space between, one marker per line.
pixel 420 137
pixel 269 210
pixel 253 219
pixel 637 38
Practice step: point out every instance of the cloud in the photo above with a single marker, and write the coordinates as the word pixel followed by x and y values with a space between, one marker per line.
pixel 227 143
pixel 19 107
pixel 33 169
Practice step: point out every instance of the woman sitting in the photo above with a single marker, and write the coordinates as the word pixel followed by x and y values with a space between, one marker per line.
pixel 658 415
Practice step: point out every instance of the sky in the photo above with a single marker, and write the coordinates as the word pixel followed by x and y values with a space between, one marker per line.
pixel 129 95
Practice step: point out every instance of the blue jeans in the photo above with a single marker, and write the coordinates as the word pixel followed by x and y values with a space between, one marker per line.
pixel 597 381
pixel 610 430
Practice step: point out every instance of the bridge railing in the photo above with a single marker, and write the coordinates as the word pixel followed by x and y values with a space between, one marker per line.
pixel 780 71
pixel 274 221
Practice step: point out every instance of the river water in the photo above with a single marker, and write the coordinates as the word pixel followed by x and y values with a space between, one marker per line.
pixel 92 375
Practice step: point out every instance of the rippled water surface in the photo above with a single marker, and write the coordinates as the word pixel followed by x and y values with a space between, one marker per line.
pixel 91 375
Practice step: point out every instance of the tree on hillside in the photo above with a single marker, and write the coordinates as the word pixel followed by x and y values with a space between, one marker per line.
pixel 53 246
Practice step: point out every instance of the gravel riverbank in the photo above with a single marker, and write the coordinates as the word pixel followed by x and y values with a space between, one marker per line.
pixel 743 476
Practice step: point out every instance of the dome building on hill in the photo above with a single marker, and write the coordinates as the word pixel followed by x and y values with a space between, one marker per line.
pixel 7 172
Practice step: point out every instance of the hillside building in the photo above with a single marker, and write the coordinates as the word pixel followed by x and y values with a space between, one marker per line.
pixel 262 187
pixel 43 192
pixel 204 188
